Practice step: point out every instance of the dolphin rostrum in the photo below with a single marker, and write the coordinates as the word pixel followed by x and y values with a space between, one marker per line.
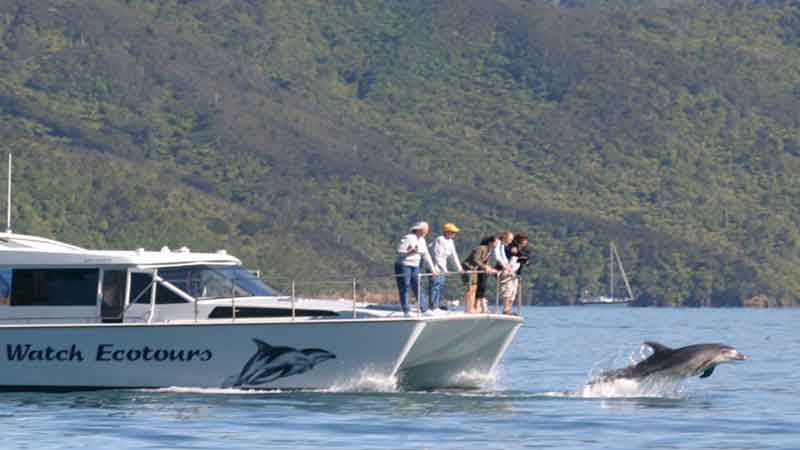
pixel 684 362
pixel 272 362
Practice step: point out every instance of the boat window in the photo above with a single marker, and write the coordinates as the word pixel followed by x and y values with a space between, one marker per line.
pixel 113 295
pixel 141 294
pixel 54 287
pixel 5 286
pixel 165 296
pixel 140 282
pixel 207 282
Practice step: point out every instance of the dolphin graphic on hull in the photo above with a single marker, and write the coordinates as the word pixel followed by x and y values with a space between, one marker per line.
pixel 684 362
pixel 270 363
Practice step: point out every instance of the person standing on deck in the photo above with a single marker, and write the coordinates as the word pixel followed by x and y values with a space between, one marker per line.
pixel 501 262
pixel 411 251
pixel 517 254
pixel 477 261
pixel 444 250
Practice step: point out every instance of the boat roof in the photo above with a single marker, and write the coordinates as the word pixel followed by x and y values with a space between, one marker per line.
pixel 24 251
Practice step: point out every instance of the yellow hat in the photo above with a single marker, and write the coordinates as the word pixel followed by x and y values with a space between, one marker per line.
pixel 450 228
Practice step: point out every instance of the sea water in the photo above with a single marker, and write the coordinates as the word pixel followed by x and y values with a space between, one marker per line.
pixel 538 398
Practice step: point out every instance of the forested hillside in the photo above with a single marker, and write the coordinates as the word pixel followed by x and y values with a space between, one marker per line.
pixel 306 135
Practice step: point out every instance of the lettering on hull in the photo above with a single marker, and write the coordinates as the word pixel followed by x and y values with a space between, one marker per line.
pixel 105 353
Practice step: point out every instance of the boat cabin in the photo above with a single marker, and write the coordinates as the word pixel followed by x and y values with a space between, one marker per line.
pixel 45 281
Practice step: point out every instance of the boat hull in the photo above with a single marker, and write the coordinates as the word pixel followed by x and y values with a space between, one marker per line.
pixel 312 354
pixel 458 352
pixel 455 351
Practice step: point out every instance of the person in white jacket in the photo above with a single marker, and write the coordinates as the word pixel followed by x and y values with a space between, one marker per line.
pixel 411 251
pixel 444 251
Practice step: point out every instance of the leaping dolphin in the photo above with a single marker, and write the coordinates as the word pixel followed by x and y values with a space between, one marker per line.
pixel 684 362
pixel 272 362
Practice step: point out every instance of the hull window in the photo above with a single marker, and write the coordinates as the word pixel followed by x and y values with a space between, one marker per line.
pixel 54 287
pixel 224 312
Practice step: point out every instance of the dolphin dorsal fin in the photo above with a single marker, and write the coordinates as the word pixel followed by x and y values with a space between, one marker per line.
pixel 657 347
pixel 262 346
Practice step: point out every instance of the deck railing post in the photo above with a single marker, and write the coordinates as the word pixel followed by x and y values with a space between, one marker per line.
pixel 419 293
pixel 233 302
pixel 153 290
pixel 293 314
pixel 355 295
pixel 497 294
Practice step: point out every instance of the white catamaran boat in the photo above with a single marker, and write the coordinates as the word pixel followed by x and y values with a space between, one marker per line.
pixel 75 318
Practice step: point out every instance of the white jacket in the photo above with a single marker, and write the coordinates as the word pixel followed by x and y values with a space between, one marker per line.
pixel 412 259
pixel 443 250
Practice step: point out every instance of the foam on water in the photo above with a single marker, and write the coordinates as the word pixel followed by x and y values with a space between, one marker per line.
pixel 215 391
pixel 474 379
pixel 367 381
pixel 651 387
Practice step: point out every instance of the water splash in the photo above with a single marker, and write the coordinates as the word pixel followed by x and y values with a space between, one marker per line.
pixel 650 387
pixel 367 381
pixel 597 386
pixel 474 379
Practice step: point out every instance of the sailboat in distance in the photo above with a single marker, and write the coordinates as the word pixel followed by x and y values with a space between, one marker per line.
pixel 613 260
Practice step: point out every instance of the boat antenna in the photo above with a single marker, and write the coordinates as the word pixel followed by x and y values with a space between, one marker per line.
pixel 8 201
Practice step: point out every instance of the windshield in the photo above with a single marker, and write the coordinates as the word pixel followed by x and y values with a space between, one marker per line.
pixel 206 282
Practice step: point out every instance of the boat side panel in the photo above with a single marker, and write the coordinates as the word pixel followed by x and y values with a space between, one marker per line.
pixel 275 355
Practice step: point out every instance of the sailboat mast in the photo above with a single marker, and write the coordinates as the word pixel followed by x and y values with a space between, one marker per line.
pixel 624 275
pixel 611 267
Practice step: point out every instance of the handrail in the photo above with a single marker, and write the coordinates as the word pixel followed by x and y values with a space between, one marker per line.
pixel 354 282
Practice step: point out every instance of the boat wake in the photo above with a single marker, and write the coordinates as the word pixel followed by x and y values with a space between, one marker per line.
pixel 367 382
pixel 215 391
pixel 478 383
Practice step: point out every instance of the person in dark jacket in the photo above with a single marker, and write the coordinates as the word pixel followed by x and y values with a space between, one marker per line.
pixel 477 261
pixel 518 257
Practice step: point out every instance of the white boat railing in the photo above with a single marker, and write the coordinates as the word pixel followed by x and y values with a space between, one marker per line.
pixel 359 291
pixel 389 290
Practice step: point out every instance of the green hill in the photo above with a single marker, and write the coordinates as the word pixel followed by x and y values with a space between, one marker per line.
pixel 305 136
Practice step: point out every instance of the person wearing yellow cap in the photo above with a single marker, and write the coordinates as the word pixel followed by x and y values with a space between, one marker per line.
pixel 444 250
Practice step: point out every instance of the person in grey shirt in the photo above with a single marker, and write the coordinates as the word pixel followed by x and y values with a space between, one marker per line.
pixel 444 251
